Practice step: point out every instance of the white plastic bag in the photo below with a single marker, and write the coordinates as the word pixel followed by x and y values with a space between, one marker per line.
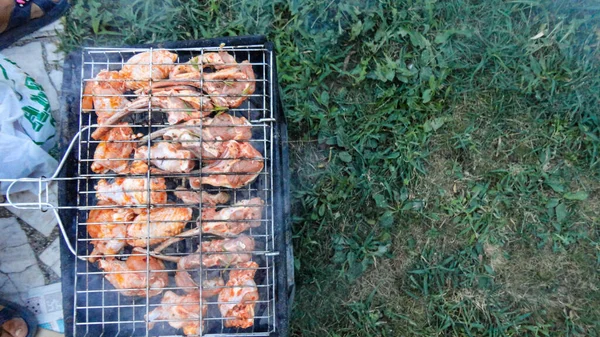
pixel 27 129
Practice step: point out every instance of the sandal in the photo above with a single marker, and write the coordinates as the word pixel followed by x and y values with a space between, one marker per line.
pixel 21 22
pixel 16 321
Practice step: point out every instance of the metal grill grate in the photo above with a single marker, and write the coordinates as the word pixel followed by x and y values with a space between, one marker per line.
pixel 99 308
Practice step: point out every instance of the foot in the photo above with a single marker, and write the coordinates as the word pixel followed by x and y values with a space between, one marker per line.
pixel 7 7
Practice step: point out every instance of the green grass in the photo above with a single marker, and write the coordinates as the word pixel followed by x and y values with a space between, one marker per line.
pixel 445 155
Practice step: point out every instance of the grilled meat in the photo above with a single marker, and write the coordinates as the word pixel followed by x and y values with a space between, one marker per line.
pixel 228 252
pixel 238 299
pixel 231 221
pixel 163 222
pixel 167 157
pixel 205 198
pixel 227 222
pixel 104 94
pixel 113 152
pixel 132 191
pixel 182 312
pixel 146 66
pixel 228 86
pixel 110 225
pixel 243 164
pixel 130 276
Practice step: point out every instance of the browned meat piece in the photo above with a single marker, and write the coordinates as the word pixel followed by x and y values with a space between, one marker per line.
pixel 228 86
pixel 130 276
pixel 181 312
pixel 243 165
pixel 114 150
pixel 238 299
pixel 104 94
pixel 205 198
pixel 146 66
pixel 132 191
pixel 164 223
pixel 110 226
pixel 177 108
pixel 233 220
pixel 224 253
pixel 229 221
pixel 167 157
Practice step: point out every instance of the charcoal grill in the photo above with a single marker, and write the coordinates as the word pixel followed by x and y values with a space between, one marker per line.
pixel 92 306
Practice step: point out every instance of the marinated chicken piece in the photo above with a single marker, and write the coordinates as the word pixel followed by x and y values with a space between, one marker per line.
pixel 104 94
pixel 177 109
pixel 113 152
pixel 223 253
pixel 221 127
pixel 229 85
pixel 164 223
pixel 210 287
pixel 146 66
pixel 226 127
pixel 208 150
pixel 180 312
pixel 205 198
pixel 226 222
pixel 199 104
pixel 167 157
pixel 245 165
pixel 231 221
pixel 123 275
pixel 190 69
pixel 110 225
pixel 232 250
pixel 238 299
pixel 132 191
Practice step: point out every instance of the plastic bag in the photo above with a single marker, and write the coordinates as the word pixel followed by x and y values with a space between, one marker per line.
pixel 27 128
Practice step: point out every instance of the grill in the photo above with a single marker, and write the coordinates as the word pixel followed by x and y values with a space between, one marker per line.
pixel 157 205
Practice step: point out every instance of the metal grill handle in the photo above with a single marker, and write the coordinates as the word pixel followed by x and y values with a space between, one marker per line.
pixel 43 204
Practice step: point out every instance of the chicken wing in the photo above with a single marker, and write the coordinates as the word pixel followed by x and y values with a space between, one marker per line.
pixel 223 253
pixel 238 299
pixel 130 276
pixel 132 191
pixel 175 107
pixel 229 85
pixel 221 127
pixel 231 221
pixel 226 222
pixel 208 150
pixel 243 165
pixel 104 94
pixel 146 66
pixel 191 69
pixel 114 150
pixel 110 225
pixel 167 157
pixel 163 222
pixel 180 312
pixel 205 198
pixel 210 287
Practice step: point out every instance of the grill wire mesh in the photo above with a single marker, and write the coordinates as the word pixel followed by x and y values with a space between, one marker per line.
pixel 99 308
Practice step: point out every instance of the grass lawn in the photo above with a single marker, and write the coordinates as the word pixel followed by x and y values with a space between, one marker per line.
pixel 445 155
